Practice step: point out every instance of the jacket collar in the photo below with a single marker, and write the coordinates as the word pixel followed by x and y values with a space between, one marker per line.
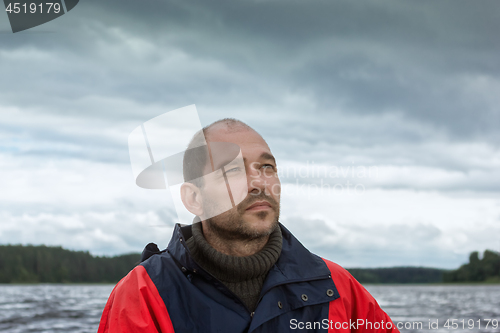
pixel 295 263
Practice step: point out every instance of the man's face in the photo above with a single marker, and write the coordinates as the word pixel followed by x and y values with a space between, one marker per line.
pixel 258 212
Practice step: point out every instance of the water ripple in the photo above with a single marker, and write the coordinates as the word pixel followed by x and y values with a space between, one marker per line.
pixel 77 308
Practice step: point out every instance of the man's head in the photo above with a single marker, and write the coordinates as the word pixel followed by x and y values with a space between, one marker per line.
pixel 258 212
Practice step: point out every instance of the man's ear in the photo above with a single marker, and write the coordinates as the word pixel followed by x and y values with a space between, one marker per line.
pixel 191 198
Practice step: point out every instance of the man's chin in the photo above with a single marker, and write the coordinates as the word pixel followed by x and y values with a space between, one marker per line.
pixel 244 226
pixel 260 227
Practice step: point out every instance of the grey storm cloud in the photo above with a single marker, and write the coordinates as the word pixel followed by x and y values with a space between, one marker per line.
pixel 434 63
pixel 331 73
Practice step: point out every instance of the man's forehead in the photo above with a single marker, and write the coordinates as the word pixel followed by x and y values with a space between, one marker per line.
pixel 243 137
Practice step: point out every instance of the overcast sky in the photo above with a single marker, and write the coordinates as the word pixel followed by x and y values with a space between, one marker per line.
pixel 406 94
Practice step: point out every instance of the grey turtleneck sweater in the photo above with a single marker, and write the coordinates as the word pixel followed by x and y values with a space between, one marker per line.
pixel 244 276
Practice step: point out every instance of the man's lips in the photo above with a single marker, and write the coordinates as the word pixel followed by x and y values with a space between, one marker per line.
pixel 259 205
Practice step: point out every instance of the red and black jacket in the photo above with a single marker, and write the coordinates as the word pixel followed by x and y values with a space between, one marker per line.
pixel 170 292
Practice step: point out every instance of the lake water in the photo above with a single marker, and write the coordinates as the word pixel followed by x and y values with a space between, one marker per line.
pixel 77 308
pixel 471 306
pixel 52 307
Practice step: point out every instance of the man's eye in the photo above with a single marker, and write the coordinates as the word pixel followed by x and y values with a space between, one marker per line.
pixel 268 166
pixel 236 169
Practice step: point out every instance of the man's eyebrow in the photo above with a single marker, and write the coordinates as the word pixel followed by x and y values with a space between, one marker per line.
pixel 265 156
pixel 268 156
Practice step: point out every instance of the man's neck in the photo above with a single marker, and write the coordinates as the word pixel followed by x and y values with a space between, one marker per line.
pixel 233 247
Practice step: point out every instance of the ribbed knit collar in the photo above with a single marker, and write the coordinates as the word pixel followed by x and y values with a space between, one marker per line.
pixel 228 268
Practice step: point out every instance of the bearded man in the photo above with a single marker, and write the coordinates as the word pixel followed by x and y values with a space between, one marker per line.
pixel 238 269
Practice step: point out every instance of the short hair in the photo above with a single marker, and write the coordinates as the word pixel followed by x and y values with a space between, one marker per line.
pixel 195 159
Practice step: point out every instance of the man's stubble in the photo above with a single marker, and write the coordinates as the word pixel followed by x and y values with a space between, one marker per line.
pixel 231 224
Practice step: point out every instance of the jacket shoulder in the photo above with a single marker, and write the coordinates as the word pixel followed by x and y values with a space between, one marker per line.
pixel 336 268
pixel 135 303
pixel 356 302
pixel 350 290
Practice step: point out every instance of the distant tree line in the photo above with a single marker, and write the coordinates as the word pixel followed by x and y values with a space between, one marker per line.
pixel 397 275
pixel 32 264
pixel 485 269
pixel 45 264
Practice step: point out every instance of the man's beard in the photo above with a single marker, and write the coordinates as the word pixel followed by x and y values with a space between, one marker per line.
pixel 231 225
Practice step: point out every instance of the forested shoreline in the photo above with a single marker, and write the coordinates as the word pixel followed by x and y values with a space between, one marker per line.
pixel 398 275
pixel 46 264
pixel 486 269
